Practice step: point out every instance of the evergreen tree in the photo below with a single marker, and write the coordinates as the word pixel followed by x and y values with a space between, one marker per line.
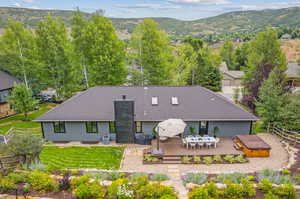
pixel 21 100
pixel 265 54
pixel 290 113
pixel 54 53
pixel 102 52
pixel 18 53
pixel 228 54
pixel 241 54
pixel 271 98
pixel 152 53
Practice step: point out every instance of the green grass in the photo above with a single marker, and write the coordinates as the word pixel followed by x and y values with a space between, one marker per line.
pixel 17 121
pixel 82 157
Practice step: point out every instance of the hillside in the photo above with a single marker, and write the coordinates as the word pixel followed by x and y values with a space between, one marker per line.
pixel 241 21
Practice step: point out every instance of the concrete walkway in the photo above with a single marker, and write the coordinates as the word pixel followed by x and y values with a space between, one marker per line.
pixel 176 181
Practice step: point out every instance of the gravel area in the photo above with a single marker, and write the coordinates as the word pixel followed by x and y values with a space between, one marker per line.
pixel 277 160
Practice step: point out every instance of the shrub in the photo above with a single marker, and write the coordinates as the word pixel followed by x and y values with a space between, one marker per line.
pixel 232 177
pixel 159 177
pixel 115 175
pixel 7 185
pixel 150 158
pixel 18 177
pixel 229 158
pixel 208 160
pixel 217 158
pixel 274 177
pixel 265 185
pixel 234 191
pixel 41 181
pixel 124 192
pixel 137 175
pixel 199 193
pixel 115 186
pixel 90 190
pixel 286 172
pixel 270 195
pixel 297 178
pixel 186 160
pixel 286 191
pixel 196 178
pixel 139 182
pixel 155 191
pixel 240 159
pixel 248 188
pixel 197 159
pixel 75 182
pixel 168 197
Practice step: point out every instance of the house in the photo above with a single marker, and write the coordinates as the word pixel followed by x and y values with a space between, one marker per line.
pixel 6 84
pixel 293 75
pixel 286 36
pixel 124 113
pixel 231 78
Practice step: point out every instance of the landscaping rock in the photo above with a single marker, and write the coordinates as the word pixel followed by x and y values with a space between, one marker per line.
pixel 191 185
pixel 3 196
pixel 221 185
pixel 106 183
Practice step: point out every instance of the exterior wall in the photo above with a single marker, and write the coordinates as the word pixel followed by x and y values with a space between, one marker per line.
pixel 230 129
pixel 75 131
pixel 4 94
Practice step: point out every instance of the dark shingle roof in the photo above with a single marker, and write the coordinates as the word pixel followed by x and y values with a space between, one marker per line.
pixel 195 103
pixel 7 81
pixel 293 70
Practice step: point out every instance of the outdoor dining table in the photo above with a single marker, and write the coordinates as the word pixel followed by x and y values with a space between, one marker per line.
pixel 201 140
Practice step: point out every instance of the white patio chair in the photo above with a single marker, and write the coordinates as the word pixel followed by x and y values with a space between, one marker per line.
pixel 200 144
pixel 217 141
pixel 205 135
pixel 193 144
pixel 184 142
pixel 208 144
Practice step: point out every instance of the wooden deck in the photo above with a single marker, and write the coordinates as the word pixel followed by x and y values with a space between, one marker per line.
pixel 173 146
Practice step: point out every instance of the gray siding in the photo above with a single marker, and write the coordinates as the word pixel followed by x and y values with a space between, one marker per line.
pixel 3 95
pixel 230 129
pixel 75 131
pixel 148 127
pixel 189 125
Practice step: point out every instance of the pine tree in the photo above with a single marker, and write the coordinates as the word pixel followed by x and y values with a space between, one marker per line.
pixel 228 54
pixel 241 54
pixel 290 113
pixel 271 98
pixel 265 54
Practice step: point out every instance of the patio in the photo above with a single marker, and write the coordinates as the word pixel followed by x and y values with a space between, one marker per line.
pixel 173 146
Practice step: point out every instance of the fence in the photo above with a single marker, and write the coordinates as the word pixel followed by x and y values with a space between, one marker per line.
pixel 291 136
pixel 9 162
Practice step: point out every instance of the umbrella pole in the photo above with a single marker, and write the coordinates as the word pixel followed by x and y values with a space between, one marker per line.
pixel 158 139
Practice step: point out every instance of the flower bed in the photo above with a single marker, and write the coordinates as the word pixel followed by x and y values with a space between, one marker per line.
pixel 87 185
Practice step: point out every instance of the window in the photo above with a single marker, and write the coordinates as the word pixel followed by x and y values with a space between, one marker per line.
pixel 59 127
pixel 139 127
pixel 112 127
pixel 91 127
pixel 154 101
pixel 174 101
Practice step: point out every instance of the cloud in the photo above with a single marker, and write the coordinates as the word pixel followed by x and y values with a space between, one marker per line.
pixel 264 6
pixel 149 6
pixel 200 2
pixel 28 1
pixel 16 5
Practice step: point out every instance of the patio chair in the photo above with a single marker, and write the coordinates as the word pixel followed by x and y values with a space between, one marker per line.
pixel 208 144
pixel 200 144
pixel 193 144
pixel 184 142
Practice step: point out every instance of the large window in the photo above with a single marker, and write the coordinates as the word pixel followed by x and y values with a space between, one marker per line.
pixel 139 127
pixel 91 127
pixel 112 127
pixel 59 127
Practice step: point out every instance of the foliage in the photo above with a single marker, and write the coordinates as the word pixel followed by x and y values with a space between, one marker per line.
pixel 265 185
pixel 186 159
pixel 151 51
pixel 274 177
pixel 216 131
pixel 241 54
pixel 21 100
pixel 290 113
pixel 208 160
pixel 217 158
pixel 195 178
pixel 115 186
pixel 82 157
pixel 41 181
pixel 228 54
pixel 208 191
pixel 232 177
pixel 240 159
pixel 286 191
pixel 159 177
pixel 271 98
pixel 7 185
pixel 29 146
pixel 137 175
pixel 297 178
pixel 156 191
pixel 236 94
pixel 150 158
pixel 264 56
pixel 85 189
pixel 197 159
pixel 270 195
pixel 17 177
pixel 229 158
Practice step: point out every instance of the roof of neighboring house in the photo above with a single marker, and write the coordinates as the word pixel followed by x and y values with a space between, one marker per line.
pixel 7 81
pixel 236 74
pixel 195 104
pixel 293 70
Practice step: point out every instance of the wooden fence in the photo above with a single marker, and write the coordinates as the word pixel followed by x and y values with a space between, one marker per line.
pixel 291 136
pixel 9 162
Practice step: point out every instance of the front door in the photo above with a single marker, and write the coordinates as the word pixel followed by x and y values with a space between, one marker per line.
pixel 203 128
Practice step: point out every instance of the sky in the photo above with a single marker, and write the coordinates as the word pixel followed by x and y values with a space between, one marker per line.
pixel 179 9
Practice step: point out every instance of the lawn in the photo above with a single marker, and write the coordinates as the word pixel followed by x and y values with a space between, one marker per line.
pixel 16 121
pixel 82 157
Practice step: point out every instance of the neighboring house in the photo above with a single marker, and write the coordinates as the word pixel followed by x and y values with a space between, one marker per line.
pixel 293 75
pixel 232 78
pixel 6 84
pixel 125 113
pixel 286 36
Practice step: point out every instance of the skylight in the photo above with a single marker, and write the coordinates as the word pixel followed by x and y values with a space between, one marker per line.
pixel 174 101
pixel 154 100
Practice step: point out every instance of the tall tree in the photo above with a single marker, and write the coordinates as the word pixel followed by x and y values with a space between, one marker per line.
pixel 264 56
pixel 21 100
pixel 153 53
pixel 291 112
pixel 103 53
pixel 228 54
pixel 54 53
pixel 272 98
pixel 241 54
pixel 18 51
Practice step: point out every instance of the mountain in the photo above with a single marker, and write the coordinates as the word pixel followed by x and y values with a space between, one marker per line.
pixel 240 21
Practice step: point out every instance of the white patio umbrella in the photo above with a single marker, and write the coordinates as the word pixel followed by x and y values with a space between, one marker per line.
pixel 169 128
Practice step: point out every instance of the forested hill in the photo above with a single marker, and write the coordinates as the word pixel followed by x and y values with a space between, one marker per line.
pixel 229 22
